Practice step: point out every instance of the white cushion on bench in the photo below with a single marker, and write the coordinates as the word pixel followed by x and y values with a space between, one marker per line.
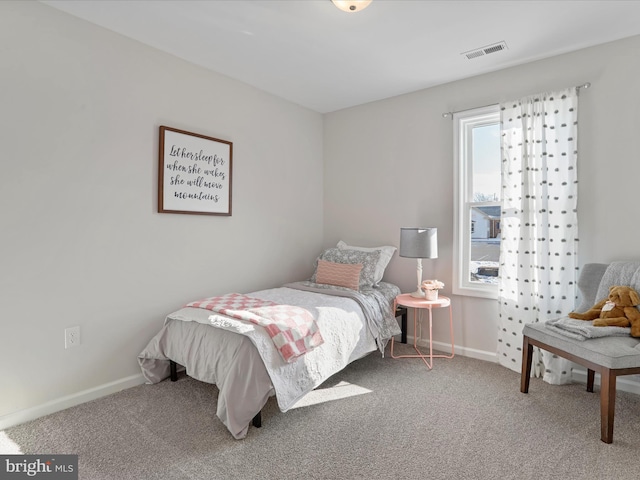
pixel 610 352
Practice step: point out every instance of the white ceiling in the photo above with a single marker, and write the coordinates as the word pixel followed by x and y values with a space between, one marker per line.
pixel 311 53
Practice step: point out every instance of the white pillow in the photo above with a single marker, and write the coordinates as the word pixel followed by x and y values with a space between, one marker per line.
pixel 386 252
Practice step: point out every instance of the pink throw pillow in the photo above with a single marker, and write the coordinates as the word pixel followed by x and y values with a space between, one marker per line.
pixel 339 274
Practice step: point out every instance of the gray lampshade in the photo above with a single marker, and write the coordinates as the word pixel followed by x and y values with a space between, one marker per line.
pixel 419 242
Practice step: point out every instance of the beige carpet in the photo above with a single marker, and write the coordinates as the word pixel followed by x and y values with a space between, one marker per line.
pixel 378 419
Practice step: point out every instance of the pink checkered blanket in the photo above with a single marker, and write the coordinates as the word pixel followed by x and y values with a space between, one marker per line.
pixel 292 329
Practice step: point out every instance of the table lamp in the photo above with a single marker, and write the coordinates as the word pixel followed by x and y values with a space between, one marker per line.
pixel 419 243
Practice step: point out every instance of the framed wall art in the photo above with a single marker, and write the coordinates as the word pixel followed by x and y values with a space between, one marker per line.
pixel 194 173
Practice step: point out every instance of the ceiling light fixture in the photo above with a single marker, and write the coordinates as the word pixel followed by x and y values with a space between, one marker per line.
pixel 351 5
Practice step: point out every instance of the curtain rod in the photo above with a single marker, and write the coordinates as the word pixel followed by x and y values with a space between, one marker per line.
pixel 450 114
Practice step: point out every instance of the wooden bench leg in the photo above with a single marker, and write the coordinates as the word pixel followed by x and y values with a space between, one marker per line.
pixel 527 357
pixel 607 404
pixel 591 375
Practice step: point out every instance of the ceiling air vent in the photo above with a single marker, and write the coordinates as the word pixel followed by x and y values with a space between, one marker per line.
pixel 480 52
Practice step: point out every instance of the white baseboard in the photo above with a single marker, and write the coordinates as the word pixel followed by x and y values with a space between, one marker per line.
pixel 629 383
pixel 26 415
pixel 68 401
pixel 458 350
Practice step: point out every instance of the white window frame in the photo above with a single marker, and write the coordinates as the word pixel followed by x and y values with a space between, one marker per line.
pixel 463 124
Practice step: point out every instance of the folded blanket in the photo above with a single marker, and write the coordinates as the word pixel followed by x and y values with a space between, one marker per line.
pixel 584 329
pixel 292 329
pixel 376 304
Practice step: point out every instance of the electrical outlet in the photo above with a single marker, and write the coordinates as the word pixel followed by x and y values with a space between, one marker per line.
pixel 71 337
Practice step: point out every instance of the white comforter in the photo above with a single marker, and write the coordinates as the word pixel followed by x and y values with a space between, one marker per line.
pixel 247 368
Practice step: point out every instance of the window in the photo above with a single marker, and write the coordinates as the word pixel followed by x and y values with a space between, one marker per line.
pixel 477 202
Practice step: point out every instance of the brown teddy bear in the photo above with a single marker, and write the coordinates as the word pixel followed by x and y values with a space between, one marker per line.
pixel 618 310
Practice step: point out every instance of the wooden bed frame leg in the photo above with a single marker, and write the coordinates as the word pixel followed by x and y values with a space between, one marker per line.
pixel 257 420
pixel 527 357
pixel 174 370
pixel 404 317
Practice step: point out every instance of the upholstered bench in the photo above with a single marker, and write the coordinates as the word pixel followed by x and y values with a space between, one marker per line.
pixel 611 357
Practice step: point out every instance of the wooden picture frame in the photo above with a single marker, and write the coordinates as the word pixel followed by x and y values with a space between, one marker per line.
pixel 194 174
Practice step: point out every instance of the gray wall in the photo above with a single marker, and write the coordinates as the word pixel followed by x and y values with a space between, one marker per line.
pixel 389 164
pixel 81 241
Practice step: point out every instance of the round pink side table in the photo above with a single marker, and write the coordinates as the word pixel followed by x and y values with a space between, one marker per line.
pixel 420 305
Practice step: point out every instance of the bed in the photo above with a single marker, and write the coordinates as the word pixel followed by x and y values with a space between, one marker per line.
pixel 347 301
